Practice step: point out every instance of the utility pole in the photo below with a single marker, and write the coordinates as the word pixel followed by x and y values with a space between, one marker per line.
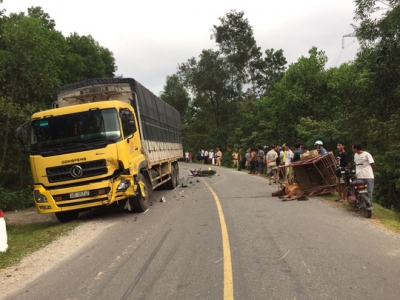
pixel 348 35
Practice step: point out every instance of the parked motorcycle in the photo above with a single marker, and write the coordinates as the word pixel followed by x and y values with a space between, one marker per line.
pixel 356 192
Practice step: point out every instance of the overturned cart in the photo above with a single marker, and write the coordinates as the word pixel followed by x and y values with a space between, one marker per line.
pixel 317 175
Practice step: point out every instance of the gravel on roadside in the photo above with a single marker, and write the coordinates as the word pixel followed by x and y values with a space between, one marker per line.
pixel 33 265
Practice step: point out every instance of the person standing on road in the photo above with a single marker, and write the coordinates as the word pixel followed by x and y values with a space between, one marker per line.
pixel 271 158
pixel 235 158
pixel 248 157
pixel 240 159
pixel 227 158
pixel 206 157
pixel 304 149
pixel 343 161
pixel 211 157
pixel 219 157
pixel 187 156
pixel 365 166
pixel 253 161
pixel 297 152
pixel 261 159
pixel 288 161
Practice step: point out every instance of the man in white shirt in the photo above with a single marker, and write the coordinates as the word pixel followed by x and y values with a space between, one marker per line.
pixel 289 157
pixel 211 156
pixel 205 156
pixel 187 156
pixel 365 167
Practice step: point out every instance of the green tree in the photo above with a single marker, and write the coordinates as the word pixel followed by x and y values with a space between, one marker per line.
pixel 236 42
pixel 175 94
pixel 207 79
pixel 87 59
pixel 34 60
pixel 28 67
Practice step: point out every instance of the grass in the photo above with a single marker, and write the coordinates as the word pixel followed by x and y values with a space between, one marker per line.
pixel 27 238
pixel 381 216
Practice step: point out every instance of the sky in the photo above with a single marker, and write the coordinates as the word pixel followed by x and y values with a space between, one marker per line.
pixel 149 38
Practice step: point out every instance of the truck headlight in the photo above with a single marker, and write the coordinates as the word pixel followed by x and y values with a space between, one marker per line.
pixel 39 198
pixel 123 185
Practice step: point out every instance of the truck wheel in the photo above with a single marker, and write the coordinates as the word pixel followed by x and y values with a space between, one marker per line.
pixel 177 173
pixel 140 203
pixel 67 216
pixel 149 187
pixel 171 184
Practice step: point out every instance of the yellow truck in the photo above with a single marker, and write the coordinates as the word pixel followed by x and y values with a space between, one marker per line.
pixel 105 140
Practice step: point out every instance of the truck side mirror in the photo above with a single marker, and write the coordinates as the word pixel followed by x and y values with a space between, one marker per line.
pixel 20 134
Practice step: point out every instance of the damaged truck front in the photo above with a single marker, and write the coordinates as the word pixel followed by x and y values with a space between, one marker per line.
pixel 106 140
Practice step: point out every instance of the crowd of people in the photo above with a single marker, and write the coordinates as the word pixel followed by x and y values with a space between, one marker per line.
pixel 265 160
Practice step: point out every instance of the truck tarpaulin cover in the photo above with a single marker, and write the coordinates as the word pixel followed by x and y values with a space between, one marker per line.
pixel 159 120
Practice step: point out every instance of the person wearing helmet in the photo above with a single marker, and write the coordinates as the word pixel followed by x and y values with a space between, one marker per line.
pixel 320 146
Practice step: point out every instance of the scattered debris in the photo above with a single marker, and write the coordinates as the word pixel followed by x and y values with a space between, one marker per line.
pixel 201 173
pixel 162 199
pixel 184 185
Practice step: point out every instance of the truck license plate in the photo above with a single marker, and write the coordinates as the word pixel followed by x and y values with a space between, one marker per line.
pixel 79 194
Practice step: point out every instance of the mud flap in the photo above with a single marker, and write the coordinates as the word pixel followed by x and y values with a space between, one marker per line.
pixel 142 188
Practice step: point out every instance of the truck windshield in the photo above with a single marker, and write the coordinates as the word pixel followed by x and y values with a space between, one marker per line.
pixel 80 129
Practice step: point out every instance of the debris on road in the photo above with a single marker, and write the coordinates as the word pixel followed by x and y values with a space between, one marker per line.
pixel 200 173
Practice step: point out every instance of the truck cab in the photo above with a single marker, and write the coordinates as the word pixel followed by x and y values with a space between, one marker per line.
pixel 90 150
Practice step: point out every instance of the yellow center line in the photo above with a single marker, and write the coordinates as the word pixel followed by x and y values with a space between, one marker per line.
pixel 228 281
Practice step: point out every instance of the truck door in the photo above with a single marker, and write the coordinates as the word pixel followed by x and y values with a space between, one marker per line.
pixel 131 137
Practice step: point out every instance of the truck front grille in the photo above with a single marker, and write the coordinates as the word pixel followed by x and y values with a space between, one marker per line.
pixel 89 169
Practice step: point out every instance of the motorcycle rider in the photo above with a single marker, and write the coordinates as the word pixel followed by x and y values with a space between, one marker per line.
pixel 320 146
pixel 365 167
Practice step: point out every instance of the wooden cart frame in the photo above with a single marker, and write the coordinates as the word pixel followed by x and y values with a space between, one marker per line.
pixel 315 176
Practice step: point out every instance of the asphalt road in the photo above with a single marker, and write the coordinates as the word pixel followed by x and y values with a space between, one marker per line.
pixel 225 237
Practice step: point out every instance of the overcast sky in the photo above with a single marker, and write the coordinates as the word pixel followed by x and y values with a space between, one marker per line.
pixel 149 38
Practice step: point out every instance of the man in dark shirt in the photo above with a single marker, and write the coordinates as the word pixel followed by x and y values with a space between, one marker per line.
pixel 297 152
pixel 343 161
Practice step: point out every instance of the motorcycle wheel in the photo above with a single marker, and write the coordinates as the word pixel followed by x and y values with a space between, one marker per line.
pixel 366 212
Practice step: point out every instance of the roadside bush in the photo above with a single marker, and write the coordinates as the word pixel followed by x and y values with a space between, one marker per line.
pixel 387 180
pixel 15 199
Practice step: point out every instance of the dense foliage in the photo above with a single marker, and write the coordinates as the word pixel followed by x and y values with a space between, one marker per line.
pixel 35 59
pixel 242 96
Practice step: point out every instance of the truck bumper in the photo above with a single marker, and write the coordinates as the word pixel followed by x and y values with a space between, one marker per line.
pixel 83 196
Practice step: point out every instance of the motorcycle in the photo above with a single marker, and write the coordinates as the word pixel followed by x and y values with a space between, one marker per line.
pixel 356 192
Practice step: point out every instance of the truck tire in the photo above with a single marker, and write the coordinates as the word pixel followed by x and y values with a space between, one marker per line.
pixel 140 203
pixel 171 184
pixel 177 173
pixel 67 216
